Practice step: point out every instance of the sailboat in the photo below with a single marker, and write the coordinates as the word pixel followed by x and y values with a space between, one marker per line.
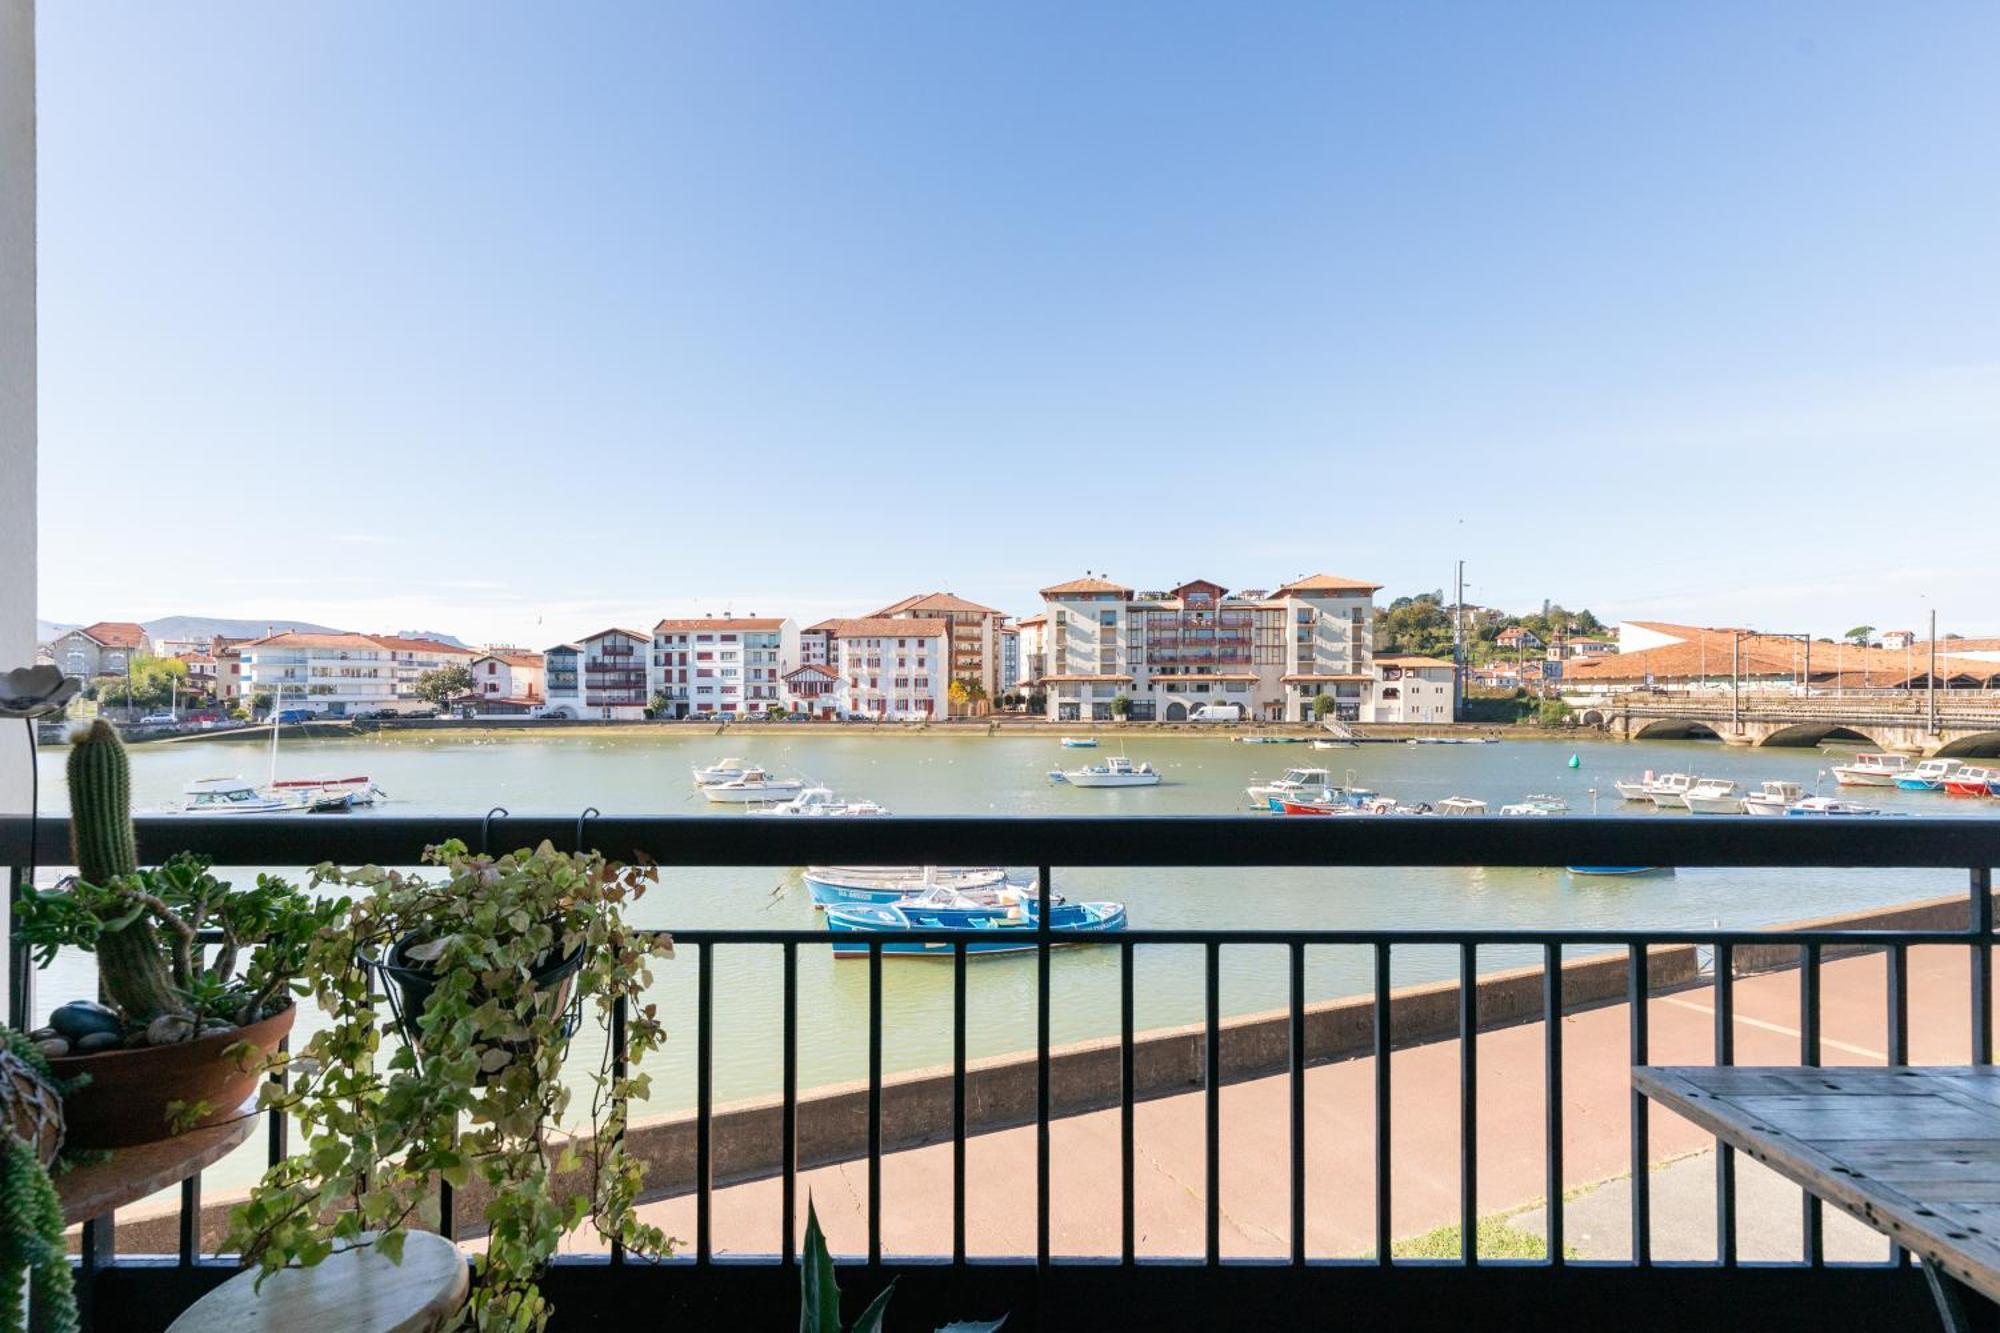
pixel 314 796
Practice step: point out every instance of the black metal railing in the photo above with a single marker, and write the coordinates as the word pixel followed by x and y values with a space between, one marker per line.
pixel 1967 846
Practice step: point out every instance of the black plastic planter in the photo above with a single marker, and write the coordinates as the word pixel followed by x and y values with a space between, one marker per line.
pixel 409 987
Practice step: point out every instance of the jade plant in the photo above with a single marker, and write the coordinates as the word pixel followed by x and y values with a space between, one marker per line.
pixel 143 924
pixel 487 960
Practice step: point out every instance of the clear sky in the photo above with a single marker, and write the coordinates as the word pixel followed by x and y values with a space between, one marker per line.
pixel 515 320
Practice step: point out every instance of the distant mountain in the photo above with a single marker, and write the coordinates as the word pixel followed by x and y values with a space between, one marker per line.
pixel 47 630
pixel 207 627
pixel 437 635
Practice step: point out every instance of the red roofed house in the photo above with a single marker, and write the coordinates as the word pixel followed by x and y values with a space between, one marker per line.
pixel 812 689
pixel 889 668
pixel 1516 637
pixel 507 680
pixel 975 641
pixel 103 649
pixel 724 666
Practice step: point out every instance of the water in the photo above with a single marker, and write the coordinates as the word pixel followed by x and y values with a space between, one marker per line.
pixel 646 772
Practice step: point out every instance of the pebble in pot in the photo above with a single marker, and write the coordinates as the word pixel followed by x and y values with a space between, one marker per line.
pixel 79 1018
pixel 96 1041
pixel 169 1028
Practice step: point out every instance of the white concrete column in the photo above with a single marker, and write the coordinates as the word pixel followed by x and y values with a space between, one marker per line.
pixel 17 386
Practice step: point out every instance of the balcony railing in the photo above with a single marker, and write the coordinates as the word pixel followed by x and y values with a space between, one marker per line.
pixel 1048 1289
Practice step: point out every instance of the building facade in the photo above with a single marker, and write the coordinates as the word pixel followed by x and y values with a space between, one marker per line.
pixel 812 688
pixel 1412 689
pixel 334 674
pixel 562 681
pixel 1168 654
pixel 890 669
pixel 725 666
pixel 1010 658
pixel 976 643
pixel 507 681
pixel 103 649
pixel 615 675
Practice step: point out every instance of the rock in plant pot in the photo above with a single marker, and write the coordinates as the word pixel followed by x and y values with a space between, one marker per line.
pixel 131 1089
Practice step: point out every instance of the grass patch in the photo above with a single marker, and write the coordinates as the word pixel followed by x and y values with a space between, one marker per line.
pixel 1496 1240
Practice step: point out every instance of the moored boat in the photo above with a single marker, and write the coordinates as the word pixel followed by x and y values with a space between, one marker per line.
pixel 1079 742
pixel 1713 796
pixel 754 786
pixel 1930 775
pixel 722 770
pixel 1636 789
pixel 237 796
pixel 1828 806
pixel 1115 771
pixel 1618 870
pixel 1461 805
pixel 1871 770
pixel 1667 789
pixel 1773 798
pixel 1332 801
pixel 1004 922
pixel 1294 781
pixel 358 791
pixel 820 803
pixel 1970 781
pixel 833 886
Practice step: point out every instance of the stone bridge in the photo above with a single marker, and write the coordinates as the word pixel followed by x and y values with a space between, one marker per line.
pixel 1968 722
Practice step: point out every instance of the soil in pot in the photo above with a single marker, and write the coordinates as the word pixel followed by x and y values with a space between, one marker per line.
pixel 130 1088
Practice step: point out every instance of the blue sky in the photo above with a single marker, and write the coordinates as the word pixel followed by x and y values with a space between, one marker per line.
pixel 516 320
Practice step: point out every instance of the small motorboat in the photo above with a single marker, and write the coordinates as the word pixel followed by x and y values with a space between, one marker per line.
pixel 1461 805
pixel 1619 870
pixel 1713 796
pixel 1116 771
pixel 1079 742
pixel 1003 922
pixel 1537 805
pixel 1667 789
pixel 1295 781
pixel 1639 789
pixel 1270 740
pixel 1773 798
pixel 1813 806
pixel 1871 770
pixel 1330 744
pixel 1332 801
pixel 754 786
pixel 820 803
pixel 236 796
pixel 722 770
pixel 1930 775
pixel 1970 781
pixel 836 886
pixel 359 791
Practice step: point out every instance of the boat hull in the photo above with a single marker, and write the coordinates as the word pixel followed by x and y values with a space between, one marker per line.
pixel 857 929
pixel 846 887
pixel 1082 779
pixel 765 795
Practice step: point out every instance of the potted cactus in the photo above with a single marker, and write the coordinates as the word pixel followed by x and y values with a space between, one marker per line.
pixel 182 1037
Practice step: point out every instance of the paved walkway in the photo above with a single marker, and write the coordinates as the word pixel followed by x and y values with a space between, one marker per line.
pixel 1084 1204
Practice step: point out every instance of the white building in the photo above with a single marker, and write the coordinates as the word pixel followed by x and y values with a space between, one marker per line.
pixel 335 674
pixel 976 641
pixel 562 681
pixel 412 658
pixel 1411 689
pixel 1010 658
pixel 728 666
pixel 1170 653
pixel 615 675
pixel 890 669
pixel 507 681
pixel 812 688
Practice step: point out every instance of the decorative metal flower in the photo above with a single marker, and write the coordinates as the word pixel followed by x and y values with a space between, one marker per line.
pixel 38 691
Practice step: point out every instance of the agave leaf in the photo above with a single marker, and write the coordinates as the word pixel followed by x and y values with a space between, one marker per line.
pixel 819 1293
pixel 871 1318
pixel 974 1326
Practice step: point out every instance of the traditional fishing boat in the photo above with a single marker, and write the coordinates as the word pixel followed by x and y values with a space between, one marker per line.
pixel 1115 771
pixel 836 886
pixel 820 803
pixel 1871 770
pixel 1773 798
pixel 1929 775
pixel 998 923
pixel 1332 801
pixel 754 786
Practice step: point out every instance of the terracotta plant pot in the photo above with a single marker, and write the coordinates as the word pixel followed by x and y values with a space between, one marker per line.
pixel 126 1100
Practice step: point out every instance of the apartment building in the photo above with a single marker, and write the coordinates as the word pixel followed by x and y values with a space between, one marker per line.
pixel 615 675
pixel 334 674
pixel 1409 688
pixel 1032 636
pixel 729 666
pixel 890 668
pixel 412 657
pixel 975 650
pixel 562 681
pixel 1010 658
pixel 1169 653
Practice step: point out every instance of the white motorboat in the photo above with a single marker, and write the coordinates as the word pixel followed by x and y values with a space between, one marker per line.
pixel 1713 796
pixel 1639 789
pixel 1829 805
pixel 1115 771
pixel 722 770
pixel 237 796
pixel 1294 781
pixel 1773 798
pixel 1536 805
pixel 1079 742
pixel 754 786
pixel 820 803
pixel 1668 788
pixel 1871 770
pixel 1461 805
pixel 836 885
pixel 1330 744
pixel 1930 775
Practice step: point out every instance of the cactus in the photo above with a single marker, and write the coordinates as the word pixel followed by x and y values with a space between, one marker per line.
pixel 131 965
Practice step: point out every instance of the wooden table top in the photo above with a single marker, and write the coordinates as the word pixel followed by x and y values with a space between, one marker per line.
pixel 1912 1152
pixel 128 1175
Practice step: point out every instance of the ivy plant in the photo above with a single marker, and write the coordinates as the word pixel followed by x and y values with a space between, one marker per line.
pixel 477 1099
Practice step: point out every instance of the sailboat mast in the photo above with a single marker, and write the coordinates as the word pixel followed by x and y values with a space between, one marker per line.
pixel 277 712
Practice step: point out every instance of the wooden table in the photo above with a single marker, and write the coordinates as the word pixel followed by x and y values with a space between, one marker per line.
pixel 1913 1152
pixel 127 1175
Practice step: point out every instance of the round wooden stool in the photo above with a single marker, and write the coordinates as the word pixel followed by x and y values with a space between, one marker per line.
pixel 358 1291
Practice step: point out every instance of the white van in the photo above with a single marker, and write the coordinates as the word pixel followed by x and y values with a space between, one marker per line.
pixel 1217 713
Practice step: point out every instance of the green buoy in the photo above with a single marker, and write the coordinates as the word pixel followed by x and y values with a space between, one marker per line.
pixel 1574 762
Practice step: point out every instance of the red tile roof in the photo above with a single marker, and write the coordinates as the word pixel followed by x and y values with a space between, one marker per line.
pixel 301 639
pixel 639 634
pixel 1090 584
pixel 511 659
pixel 1348 676
pixel 116 634
pixel 397 643
pixel 1410 660
pixel 759 624
pixel 1084 678
pixel 885 627
pixel 1327 583
pixel 814 668
pixel 934 601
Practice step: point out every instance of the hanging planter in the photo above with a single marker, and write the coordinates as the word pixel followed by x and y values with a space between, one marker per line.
pixel 410 977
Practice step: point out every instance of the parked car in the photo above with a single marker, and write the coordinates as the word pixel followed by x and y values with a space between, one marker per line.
pixel 291 715
pixel 158 720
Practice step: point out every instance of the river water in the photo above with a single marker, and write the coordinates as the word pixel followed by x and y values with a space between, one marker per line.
pixel 647 772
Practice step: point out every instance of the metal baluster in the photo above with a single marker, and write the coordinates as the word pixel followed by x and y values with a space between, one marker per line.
pixel 1128 1153
pixel 704 1078
pixel 21 963
pixel 1638 989
pixel 1468 1102
pixel 1212 1095
pixel 1725 1054
pixel 190 1228
pixel 1809 979
pixel 1896 984
pixel 1044 922
pixel 788 1205
pixel 958 1101
pixel 1298 1091
pixel 874 1100
pixel 1552 1092
pixel 1982 965
pixel 1383 1119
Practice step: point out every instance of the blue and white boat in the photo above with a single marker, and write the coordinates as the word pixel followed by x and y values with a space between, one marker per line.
pixel 1002 922
pixel 1619 870
pixel 1829 807
pixel 1079 742
pixel 1930 775
pixel 847 886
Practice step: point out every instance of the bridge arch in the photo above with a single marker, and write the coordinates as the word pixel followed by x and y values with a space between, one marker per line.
pixel 1676 729
pixel 1591 717
pixel 1981 744
pixel 1808 734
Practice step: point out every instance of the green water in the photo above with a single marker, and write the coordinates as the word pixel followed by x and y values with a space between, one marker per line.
pixel 648 773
